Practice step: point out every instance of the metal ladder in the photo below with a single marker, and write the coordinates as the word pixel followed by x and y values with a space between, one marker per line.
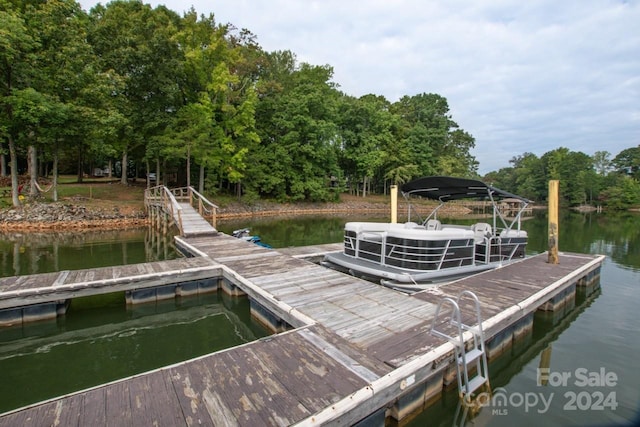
pixel 464 358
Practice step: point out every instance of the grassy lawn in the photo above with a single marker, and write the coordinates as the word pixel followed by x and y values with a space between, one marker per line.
pixel 95 192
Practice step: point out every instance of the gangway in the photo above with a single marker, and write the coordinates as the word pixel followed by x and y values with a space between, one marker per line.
pixel 184 207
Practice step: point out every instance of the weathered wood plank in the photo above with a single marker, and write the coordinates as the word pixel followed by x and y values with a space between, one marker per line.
pixel 190 383
pixel 364 331
pixel 316 379
pixel 94 411
pixel 152 403
pixel 255 390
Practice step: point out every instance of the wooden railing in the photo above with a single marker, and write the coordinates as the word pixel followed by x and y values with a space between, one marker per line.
pixel 161 198
pixel 167 200
pixel 205 208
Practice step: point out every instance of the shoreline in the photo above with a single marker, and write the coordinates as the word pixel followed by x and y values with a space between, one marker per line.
pixel 51 217
pixel 98 220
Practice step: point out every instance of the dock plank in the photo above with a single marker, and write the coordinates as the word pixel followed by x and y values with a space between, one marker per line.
pixel 94 411
pixel 153 402
pixel 363 332
pixel 190 382
pixel 118 405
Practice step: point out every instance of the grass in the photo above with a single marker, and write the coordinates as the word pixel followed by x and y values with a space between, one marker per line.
pixel 103 193
pixel 93 193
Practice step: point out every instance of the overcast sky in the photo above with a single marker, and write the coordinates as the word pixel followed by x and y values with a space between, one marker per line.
pixel 519 75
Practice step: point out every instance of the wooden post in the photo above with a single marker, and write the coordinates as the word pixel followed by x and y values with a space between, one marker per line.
pixel 553 222
pixel 394 204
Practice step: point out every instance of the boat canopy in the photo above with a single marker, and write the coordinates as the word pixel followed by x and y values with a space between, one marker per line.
pixel 446 188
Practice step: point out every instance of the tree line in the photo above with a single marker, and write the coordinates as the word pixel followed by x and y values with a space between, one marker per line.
pixel 143 89
pixel 584 180
pixel 135 90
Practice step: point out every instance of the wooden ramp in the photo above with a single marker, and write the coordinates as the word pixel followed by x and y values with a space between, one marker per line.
pixel 167 207
pixel 193 224
pixel 359 348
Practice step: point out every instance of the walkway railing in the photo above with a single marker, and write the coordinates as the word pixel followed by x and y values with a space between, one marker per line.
pixel 205 208
pixel 162 201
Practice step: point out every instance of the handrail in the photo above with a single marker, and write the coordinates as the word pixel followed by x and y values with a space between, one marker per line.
pixel 203 202
pixel 205 208
pixel 169 202
pixel 170 197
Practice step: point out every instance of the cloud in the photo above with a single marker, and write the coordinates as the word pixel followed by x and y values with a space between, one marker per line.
pixel 519 76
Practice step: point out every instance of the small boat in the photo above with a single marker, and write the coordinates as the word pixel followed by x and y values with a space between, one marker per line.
pixel 418 255
pixel 245 234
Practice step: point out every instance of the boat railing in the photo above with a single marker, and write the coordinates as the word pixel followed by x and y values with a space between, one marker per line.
pixel 414 247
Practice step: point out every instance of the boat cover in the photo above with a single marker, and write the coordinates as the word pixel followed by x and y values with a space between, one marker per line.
pixel 445 188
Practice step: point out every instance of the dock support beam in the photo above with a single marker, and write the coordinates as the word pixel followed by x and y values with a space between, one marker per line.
pixel 553 222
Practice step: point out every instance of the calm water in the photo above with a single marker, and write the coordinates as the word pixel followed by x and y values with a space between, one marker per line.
pixel 30 253
pixel 595 346
pixel 99 339
pixel 597 340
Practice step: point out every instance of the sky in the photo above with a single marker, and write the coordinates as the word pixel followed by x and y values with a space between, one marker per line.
pixel 519 76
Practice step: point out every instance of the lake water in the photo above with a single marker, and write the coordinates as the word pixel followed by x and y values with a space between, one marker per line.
pixel 99 340
pixel 594 348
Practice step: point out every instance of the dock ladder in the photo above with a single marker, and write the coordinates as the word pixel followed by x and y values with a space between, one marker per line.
pixel 465 358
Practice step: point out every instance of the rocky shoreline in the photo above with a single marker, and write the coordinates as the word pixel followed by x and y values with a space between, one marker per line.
pixel 63 216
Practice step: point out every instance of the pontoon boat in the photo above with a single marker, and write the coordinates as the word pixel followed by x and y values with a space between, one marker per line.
pixel 415 255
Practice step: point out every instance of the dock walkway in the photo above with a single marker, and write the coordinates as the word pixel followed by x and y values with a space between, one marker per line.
pixel 193 224
pixel 358 350
pixel 183 207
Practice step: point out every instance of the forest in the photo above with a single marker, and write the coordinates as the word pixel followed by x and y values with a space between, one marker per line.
pixel 136 92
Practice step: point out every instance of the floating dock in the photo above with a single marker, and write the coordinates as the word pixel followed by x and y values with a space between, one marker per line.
pixel 347 351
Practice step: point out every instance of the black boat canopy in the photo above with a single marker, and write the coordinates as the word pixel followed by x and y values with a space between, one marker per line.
pixel 445 188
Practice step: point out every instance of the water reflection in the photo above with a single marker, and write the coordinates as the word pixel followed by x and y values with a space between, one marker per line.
pixel 31 253
pixel 616 235
pixel 101 340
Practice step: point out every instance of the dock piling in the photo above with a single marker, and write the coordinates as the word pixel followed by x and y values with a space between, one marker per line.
pixel 553 222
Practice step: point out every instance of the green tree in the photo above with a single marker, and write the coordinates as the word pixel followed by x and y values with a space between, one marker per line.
pixel 217 124
pixel 624 194
pixel 17 48
pixel 566 165
pixel 67 73
pixel 139 44
pixel 601 162
pixel 628 162
pixel 366 129
pixel 297 113
pixel 432 139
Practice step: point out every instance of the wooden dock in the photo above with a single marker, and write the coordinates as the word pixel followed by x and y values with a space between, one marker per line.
pixel 183 207
pixel 351 350
pixel 44 296
pixel 193 224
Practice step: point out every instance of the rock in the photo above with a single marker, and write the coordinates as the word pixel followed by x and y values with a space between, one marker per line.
pixel 64 215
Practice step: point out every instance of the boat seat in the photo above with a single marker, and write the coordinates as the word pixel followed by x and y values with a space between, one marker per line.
pixel 513 233
pixel 413 226
pixel 481 230
pixel 434 224
pixel 433 235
